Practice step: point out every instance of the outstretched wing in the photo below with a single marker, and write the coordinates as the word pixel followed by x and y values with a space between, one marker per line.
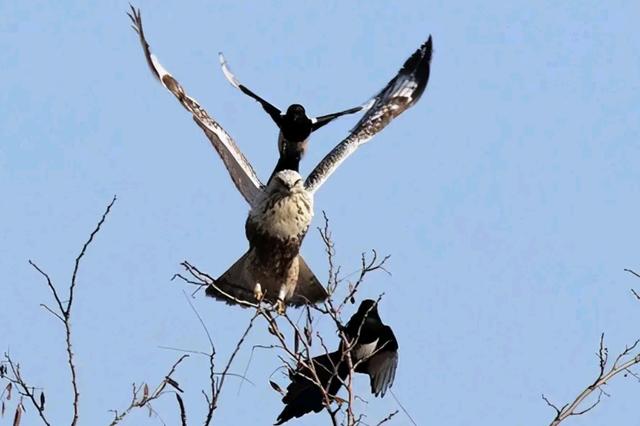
pixel 242 174
pixel 399 94
pixel 275 113
pixel 382 365
pixel 326 119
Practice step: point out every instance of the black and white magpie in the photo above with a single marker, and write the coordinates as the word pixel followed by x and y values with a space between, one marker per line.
pixel 295 126
pixel 375 353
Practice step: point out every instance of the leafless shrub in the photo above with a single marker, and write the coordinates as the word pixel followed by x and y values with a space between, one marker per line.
pixel 296 343
pixel 296 350
pixel 62 311
pixel 18 388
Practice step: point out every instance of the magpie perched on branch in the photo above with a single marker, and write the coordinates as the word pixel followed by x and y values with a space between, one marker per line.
pixel 373 349
pixel 295 127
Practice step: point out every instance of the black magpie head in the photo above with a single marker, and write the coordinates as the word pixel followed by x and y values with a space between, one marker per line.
pixel 368 307
pixel 296 112
pixel 365 318
pixel 295 125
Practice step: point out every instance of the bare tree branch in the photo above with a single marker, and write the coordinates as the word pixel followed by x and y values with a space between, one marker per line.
pixel 64 313
pixel 388 418
pixel 635 293
pixel 552 405
pixel 366 267
pixel 51 287
pixel 14 377
pixel 605 374
pixel 215 393
pixel 632 272
pixel 183 413
pixel 54 313
pixel 325 234
pixel 76 266
pixel 141 396
pixel 299 351
pixel 205 280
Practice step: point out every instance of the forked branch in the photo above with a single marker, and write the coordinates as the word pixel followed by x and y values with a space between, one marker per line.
pixel 62 311
pixel 141 396
pixel 10 371
pixel 623 362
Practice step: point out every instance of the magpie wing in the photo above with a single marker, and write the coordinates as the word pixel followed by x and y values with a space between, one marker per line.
pixel 326 119
pixel 382 365
pixel 275 113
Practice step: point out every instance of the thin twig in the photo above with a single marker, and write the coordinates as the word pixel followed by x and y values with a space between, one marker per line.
pixel 51 286
pixel 631 271
pixel 404 410
pixel 635 293
pixel 388 418
pixel 14 376
pixel 235 352
pixel 54 313
pixel 213 402
pixel 205 280
pixel 64 313
pixel 139 401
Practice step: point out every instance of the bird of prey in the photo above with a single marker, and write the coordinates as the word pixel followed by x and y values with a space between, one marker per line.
pixel 373 349
pixel 281 211
pixel 295 127
pixel 275 228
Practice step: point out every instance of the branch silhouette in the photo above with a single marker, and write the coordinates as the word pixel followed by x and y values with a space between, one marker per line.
pixel 62 311
pixel 623 363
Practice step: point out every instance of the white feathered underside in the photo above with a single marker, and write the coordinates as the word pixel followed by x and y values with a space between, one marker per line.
pixel 288 217
pixel 397 96
pixel 362 351
pixel 231 78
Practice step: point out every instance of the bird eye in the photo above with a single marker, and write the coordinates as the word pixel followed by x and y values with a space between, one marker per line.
pixel 297 182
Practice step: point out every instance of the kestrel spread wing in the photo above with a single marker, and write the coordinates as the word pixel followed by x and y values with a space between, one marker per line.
pixel 402 92
pixel 240 170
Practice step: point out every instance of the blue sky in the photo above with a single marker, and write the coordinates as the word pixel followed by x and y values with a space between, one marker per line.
pixel 507 197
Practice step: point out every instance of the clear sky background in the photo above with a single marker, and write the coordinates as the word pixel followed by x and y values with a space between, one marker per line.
pixel 508 197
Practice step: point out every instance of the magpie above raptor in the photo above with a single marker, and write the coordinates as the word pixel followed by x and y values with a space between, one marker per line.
pixel 281 211
pixel 295 127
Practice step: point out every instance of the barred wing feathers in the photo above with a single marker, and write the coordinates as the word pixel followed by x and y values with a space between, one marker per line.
pixel 242 174
pixel 402 92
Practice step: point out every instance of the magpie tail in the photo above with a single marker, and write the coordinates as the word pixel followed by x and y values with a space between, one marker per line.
pixel 303 395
